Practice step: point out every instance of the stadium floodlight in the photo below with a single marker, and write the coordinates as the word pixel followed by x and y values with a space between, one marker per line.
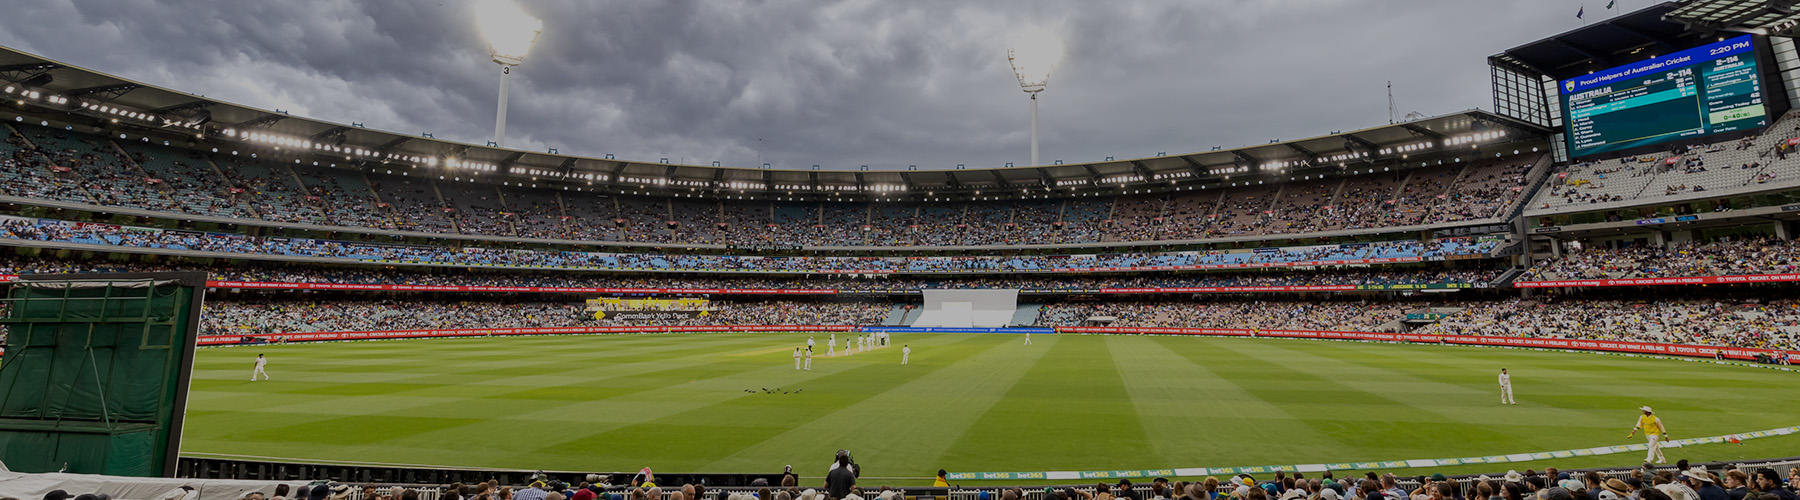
pixel 509 31
pixel 1034 52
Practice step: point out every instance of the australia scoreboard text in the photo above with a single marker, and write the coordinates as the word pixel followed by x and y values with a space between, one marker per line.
pixel 1695 92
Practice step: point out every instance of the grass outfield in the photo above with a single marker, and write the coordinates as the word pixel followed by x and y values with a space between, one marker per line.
pixel 968 402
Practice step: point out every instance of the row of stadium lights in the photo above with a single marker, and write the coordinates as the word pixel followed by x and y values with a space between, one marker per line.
pixel 1122 180
pixel 107 111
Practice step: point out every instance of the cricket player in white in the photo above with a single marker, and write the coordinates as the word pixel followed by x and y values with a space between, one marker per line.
pixel 809 342
pixel 260 363
pixel 1506 388
pixel 831 346
pixel 1654 432
pixel 809 359
pixel 905 353
pixel 1027 337
pixel 796 358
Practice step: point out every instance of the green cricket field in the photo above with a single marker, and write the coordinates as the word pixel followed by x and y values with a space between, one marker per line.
pixel 965 402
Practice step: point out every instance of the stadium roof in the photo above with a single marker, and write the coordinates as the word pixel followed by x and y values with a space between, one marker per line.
pixel 1763 17
pixel 1622 39
pixel 1648 32
pixel 67 95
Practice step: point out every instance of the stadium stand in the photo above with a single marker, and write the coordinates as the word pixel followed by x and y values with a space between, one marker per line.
pixel 1695 170
pixel 87 169
pixel 1731 256
pixel 128 237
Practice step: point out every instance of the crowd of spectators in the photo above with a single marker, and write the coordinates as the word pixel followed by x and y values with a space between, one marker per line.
pixel 269 316
pixel 69 166
pixel 1682 481
pixel 1344 315
pixel 1723 257
pixel 123 236
pixel 1770 324
pixel 428 276
pixel 1749 323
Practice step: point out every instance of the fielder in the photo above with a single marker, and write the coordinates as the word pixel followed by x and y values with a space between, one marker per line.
pixel 1654 432
pixel 796 358
pixel 260 363
pixel 905 353
pixel 1506 388
pixel 809 359
pixel 1027 337
pixel 831 346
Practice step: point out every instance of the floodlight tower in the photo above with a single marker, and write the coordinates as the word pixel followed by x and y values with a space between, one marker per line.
pixel 509 32
pixel 1034 52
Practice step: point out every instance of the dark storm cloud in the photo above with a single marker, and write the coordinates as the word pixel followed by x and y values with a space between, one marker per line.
pixel 839 84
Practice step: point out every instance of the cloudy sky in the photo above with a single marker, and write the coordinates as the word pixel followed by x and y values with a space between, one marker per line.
pixel 883 83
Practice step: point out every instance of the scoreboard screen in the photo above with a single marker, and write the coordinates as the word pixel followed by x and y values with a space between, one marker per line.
pixel 1692 93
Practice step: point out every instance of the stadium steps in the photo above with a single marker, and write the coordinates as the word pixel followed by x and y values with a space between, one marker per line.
pixel 22 137
pixel 1442 198
pixel 1507 277
pixel 126 157
pixel 455 222
pixel 387 212
pixel 1536 178
pixel 236 198
pixel 912 316
pixel 1025 315
pixel 305 196
pixel 1336 193
pixel 896 316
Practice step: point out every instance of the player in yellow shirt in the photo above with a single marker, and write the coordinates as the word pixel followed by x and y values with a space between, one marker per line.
pixel 1653 431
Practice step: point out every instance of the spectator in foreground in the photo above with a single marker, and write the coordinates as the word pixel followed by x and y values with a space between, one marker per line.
pixel 840 480
pixel 1770 484
pixel 1702 483
pixel 1737 484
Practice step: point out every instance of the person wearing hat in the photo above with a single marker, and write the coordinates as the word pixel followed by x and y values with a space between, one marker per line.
pixel 1617 488
pixel 1677 490
pixel 1703 484
pixel 905 353
pixel 1654 432
pixel 796 358
pixel 943 479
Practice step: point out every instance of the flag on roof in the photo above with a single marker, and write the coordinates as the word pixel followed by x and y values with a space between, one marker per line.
pixel 1579 12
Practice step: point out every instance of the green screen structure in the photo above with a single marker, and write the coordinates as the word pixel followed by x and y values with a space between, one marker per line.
pixel 94 375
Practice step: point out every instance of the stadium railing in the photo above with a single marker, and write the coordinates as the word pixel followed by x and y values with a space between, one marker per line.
pixel 429 482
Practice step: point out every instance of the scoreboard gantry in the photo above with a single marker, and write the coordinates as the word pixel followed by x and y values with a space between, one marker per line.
pixel 1696 92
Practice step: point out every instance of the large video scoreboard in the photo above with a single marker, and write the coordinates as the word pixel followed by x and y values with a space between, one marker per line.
pixel 1691 93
